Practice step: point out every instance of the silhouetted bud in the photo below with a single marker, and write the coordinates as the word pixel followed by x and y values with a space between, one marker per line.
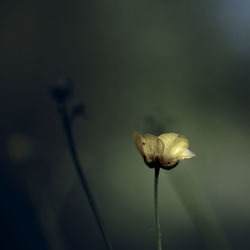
pixel 62 89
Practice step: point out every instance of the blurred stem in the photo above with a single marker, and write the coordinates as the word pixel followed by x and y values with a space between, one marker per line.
pixel 200 211
pixel 70 139
pixel 157 219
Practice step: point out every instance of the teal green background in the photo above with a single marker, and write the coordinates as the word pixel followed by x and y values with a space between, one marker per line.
pixel 150 66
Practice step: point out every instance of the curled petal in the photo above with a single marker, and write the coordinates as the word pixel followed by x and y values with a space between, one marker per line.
pixel 138 142
pixel 149 146
pixel 174 147
pixel 153 147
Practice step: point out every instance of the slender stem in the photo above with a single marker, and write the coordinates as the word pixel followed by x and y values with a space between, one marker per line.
pixel 157 219
pixel 69 135
pixel 200 211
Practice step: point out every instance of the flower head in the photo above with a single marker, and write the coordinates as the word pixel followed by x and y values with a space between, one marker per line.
pixel 62 89
pixel 164 151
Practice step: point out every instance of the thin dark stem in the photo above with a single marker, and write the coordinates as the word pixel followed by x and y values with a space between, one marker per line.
pixel 70 139
pixel 157 219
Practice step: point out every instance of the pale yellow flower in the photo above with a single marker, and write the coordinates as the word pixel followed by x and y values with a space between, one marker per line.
pixel 164 151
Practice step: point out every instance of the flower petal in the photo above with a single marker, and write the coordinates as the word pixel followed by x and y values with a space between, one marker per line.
pixel 149 146
pixel 153 147
pixel 138 142
pixel 174 147
pixel 187 154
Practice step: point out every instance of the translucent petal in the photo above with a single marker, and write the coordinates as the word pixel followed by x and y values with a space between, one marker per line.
pixel 153 147
pixel 149 146
pixel 138 142
pixel 174 147
pixel 187 154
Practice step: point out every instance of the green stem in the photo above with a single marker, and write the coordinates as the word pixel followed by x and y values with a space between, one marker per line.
pixel 69 135
pixel 157 219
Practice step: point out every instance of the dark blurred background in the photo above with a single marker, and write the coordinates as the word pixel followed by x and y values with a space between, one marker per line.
pixel 151 66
